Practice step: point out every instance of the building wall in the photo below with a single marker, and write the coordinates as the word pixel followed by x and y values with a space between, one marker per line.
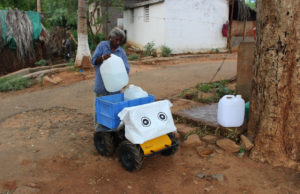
pixel 184 26
pixel 195 25
pixel 142 32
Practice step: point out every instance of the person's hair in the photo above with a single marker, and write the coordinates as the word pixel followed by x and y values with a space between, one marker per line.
pixel 117 32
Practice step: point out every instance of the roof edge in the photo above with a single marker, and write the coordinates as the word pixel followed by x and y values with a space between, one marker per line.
pixel 141 4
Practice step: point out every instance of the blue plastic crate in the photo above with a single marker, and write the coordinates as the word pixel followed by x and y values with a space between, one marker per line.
pixel 111 105
pixel 108 108
pixel 140 101
pixel 108 121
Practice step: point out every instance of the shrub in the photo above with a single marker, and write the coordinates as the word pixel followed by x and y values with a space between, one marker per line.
pixel 41 63
pixel 205 88
pixel 215 91
pixel 165 51
pixel 14 83
pixel 149 49
pixel 133 56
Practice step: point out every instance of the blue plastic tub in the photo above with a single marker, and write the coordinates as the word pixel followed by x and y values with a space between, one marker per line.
pixel 108 108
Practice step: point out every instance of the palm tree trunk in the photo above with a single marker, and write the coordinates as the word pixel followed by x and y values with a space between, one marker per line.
pixel 275 100
pixel 83 55
pixel 38 6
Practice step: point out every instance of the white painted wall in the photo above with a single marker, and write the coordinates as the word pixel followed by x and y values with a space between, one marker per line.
pixel 141 32
pixel 195 25
pixel 182 25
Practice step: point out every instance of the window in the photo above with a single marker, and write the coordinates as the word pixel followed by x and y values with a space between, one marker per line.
pixel 146 13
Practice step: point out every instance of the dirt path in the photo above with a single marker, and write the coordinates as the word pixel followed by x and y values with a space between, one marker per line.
pixel 51 151
pixel 161 80
pixel 46 145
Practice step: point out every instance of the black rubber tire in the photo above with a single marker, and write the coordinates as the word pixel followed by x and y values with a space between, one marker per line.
pixel 174 149
pixel 104 143
pixel 130 156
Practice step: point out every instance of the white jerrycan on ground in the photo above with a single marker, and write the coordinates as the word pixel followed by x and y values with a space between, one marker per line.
pixel 231 111
pixel 114 74
pixel 133 92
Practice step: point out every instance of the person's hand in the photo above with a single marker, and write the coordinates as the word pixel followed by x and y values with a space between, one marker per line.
pixel 104 57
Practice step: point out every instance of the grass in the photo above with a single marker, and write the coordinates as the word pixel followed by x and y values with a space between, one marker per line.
pixel 208 92
pixel 133 56
pixel 41 63
pixel 13 83
pixel 165 51
pixel 204 88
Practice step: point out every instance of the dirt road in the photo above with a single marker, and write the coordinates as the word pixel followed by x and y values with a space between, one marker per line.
pixel 46 145
pixel 162 81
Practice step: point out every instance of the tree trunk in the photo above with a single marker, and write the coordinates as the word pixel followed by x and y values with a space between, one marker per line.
pixel 83 50
pixel 38 6
pixel 230 27
pixel 275 101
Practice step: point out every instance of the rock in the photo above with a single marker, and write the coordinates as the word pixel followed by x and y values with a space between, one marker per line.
pixel 208 189
pixel 241 155
pixel 26 190
pixel 32 185
pixel 193 140
pixel 183 130
pixel 57 79
pixel 49 80
pixel 228 145
pixel 219 151
pixel 209 138
pixel 218 177
pixel 203 176
pixel 204 152
pixel 246 143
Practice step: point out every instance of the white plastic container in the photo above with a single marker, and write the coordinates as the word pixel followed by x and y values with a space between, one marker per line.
pixel 133 92
pixel 231 111
pixel 114 74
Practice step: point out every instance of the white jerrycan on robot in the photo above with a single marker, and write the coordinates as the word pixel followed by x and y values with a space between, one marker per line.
pixel 231 111
pixel 114 74
pixel 133 92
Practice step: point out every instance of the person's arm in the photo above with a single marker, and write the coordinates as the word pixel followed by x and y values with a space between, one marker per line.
pixel 100 55
pixel 97 54
pixel 125 60
pixel 100 59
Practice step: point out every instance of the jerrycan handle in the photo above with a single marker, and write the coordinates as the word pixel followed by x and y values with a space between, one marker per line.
pixel 229 97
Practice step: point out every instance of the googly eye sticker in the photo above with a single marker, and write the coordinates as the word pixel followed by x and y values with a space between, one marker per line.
pixel 146 121
pixel 162 116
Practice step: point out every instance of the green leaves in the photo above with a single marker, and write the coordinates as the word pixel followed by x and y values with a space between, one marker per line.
pixel 14 83
pixel 25 5
pixel 149 49
pixel 165 51
pixel 60 13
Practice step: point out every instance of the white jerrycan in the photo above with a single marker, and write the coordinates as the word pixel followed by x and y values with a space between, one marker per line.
pixel 231 111
pixel 133 92
pixel 114 74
